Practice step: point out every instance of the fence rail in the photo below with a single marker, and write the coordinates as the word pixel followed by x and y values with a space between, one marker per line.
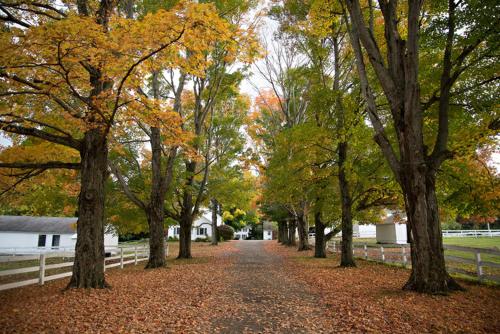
pixel 471 233
pixel 460 264
pixel 121 256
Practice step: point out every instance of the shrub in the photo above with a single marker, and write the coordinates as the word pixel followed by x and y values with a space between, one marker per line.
pixel 225 232
pixel 201 239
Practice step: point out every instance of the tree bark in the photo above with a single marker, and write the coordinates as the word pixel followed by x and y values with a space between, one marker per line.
pixel 347 259
pixel 88 267
pixel 319 237
pixel 292 225
pixel 414 170
pixel 280 232
pixel 303 230
pixel 215 235
pixel 284 234
pixel 186 219
pixel 186 225
pixel 155 211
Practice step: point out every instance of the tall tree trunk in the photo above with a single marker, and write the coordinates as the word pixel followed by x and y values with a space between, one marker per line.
pixel 428 264
pixel 88 267
pixel 303 230
pixel 280 232
pixel 347 259
pixel 186 220
pixel 155 211
pixel 185 235
pixel 319 237
pixel 292 225
pixel 215 235
pixel 284 235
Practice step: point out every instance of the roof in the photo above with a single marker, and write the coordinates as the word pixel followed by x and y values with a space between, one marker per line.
pixel 62 225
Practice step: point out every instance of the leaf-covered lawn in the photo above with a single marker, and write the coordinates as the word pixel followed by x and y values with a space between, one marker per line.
pixel 249 287
pixel 369 298
pixel 172 300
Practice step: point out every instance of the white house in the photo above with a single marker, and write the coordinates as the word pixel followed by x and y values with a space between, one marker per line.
pixel 202 226
pixel 243 233
pixel 35 234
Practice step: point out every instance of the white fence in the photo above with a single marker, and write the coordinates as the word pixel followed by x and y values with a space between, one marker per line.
pixel 121 256
pixel 471 233
pixel 400 254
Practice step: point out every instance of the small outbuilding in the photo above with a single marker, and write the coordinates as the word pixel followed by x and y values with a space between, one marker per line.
pixel 27 234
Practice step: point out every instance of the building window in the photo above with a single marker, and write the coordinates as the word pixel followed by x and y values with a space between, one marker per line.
pixel 202 231
pixel 56 239
pixel 41 240
pixel 177 230
pixel 268 232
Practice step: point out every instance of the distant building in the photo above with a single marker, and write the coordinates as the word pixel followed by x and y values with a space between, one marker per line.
pixel 268 233
pixel 364 231
pixel 202 226
pixel 392 230
pixel 243 233
pixel 35 234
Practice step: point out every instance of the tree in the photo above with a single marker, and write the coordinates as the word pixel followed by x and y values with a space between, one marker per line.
pixel 66 77
pixel 467 46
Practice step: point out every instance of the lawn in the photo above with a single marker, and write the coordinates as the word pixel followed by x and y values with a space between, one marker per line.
pixel 481 242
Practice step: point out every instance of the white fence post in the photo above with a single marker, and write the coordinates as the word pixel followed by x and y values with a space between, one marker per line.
pixel 382 253
pixel 365 247
pixel 121 258
pixel 166 250
pixel 41 274
pixel 405 260
pixel 135 255
pixel 479 266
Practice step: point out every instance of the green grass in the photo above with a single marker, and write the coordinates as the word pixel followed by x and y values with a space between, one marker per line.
pixel 482 242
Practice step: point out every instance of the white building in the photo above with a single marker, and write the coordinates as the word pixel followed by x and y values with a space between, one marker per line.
pixel 242 234
pixel 393 229
pixel 391 233
pixel 364 231
pixel 267 233
pixel 202 226
pixel 35 234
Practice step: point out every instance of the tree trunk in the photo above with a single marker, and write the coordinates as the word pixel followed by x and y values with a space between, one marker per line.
pixel 156 238
pixel 280 232
pixel 155 211
pixel 284 234
pixel 88 267
pixel 303 229
pixel 428 273
pixel 319 237
pixel 185 235
pixel 347 259
pixel 292 225
pixel 215 235
pixel 186 220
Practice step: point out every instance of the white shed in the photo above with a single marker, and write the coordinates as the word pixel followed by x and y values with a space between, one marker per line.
pixel 27 234
pixel 391 233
